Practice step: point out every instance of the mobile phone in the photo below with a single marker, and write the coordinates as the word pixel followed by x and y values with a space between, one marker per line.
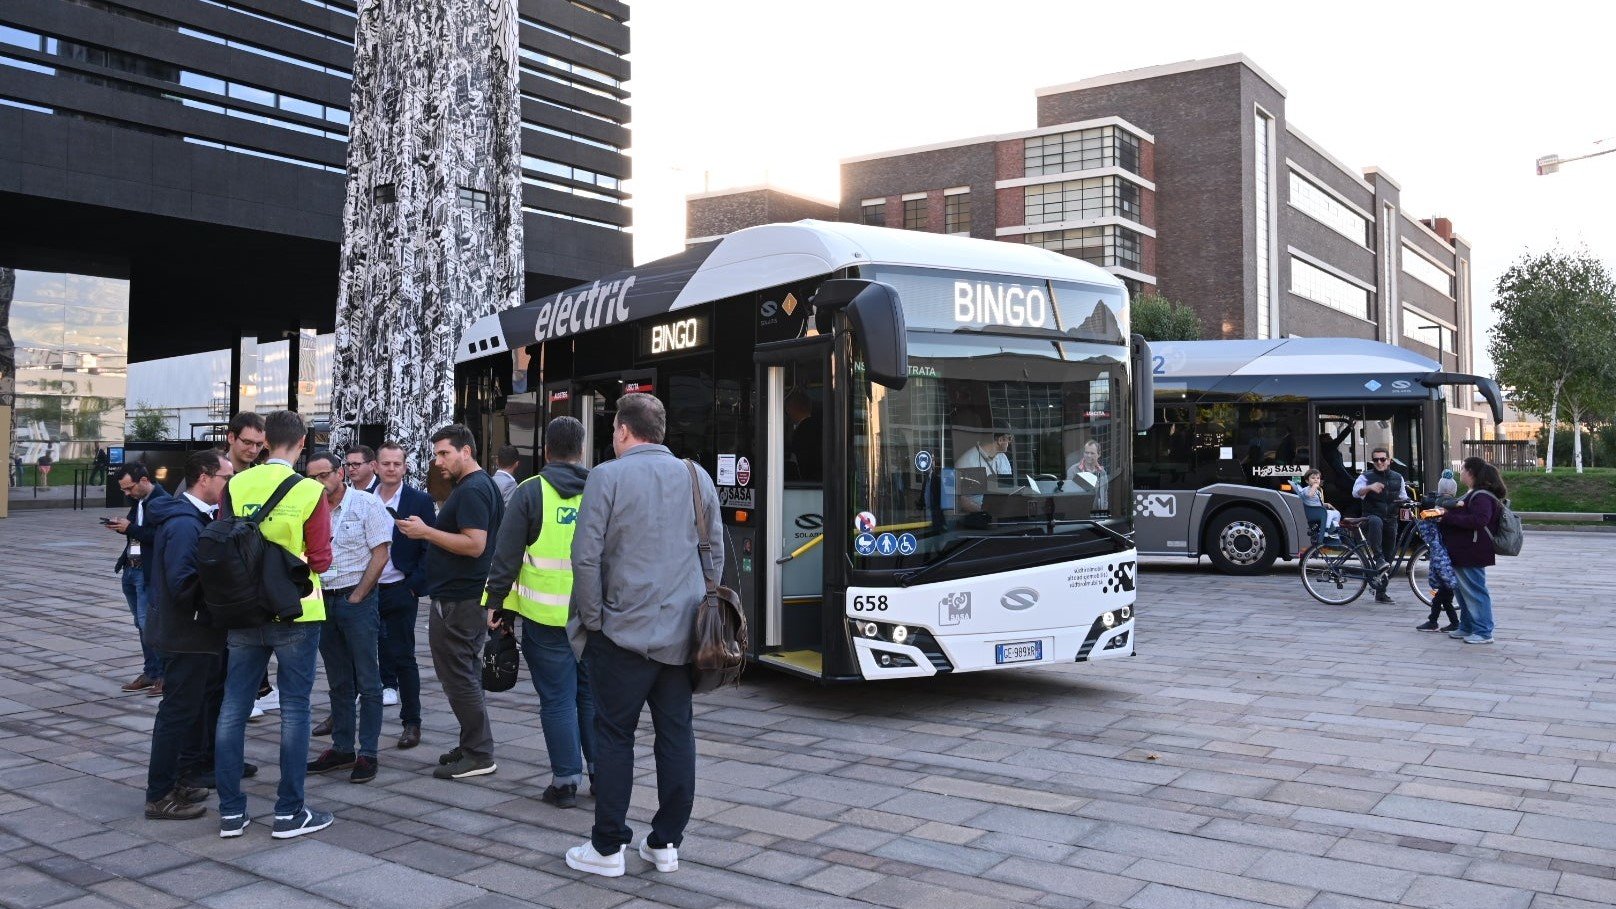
pixel 106 520
pixel 394 512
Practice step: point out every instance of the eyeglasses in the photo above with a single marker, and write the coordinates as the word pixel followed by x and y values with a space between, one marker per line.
pixel 320 477
pixel 355 465
pixel 1380 460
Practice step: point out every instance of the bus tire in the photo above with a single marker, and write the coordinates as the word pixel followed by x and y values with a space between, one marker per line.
pixel 1242 541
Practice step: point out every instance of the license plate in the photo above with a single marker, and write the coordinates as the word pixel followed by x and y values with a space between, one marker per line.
pixel 1020 652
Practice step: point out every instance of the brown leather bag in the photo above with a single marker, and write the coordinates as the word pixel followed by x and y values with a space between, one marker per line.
pixel 719 650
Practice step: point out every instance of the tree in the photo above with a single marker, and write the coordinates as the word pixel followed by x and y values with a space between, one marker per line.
pixel 1556 328
pixel 147 424
pixel 1160 319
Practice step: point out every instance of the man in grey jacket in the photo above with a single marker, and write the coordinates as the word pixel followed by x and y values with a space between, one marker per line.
pixel 637 582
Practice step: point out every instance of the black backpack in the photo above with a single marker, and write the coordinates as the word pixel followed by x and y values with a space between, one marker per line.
pixel 247 580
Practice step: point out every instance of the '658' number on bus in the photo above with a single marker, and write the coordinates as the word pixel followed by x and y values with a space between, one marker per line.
pixel 870 603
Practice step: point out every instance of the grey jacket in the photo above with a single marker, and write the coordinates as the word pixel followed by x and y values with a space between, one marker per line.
pixel 524 520
pixel 635 573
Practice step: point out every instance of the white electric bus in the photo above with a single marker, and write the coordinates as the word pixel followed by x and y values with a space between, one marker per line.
pixel 1239 422
pixel 921 442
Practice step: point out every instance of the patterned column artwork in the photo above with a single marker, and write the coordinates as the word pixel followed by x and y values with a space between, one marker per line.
pixel 432 227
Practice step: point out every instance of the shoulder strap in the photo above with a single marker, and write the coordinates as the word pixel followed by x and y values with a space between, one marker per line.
pixel 704 544
pixel 280 493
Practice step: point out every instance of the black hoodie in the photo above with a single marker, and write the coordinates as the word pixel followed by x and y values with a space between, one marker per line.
pixel 173 626
pixel 524 520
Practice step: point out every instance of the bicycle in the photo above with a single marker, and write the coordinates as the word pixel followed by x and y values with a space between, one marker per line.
pixel 1341 563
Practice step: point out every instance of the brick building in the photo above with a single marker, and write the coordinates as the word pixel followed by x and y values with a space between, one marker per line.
pixel 1188 180
pixel 711 215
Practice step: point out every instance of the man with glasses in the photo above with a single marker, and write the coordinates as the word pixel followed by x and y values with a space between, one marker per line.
pixel 360 463
pixel 1380 488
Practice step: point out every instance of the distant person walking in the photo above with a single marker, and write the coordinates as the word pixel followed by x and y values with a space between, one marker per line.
pixel 403 583
pixel 301 524
pixel 506 461
pixel 43 465
pixel 531 575
pixel 459 550
pixel 137 484
pixel 182 741
pixel 637 582
pixel 1467 529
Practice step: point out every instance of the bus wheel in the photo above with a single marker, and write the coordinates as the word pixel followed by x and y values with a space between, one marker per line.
pixel 1242 541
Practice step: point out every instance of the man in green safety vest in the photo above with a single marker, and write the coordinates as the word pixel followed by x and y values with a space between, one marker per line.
pixel 531 575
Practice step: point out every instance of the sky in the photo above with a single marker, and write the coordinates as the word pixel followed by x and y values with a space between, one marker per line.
pixel 1454 102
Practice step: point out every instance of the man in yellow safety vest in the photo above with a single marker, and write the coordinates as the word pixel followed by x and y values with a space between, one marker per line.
pixel 531 575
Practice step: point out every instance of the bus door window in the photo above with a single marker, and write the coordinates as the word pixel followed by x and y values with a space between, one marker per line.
pixel 687 393
pixel 1339 458
pixel 801 413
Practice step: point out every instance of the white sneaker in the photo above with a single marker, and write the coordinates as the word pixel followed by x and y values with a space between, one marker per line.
pixel 585 858
pixel 256 713
pixel 389 697
pixel 665 860
pixel 271 701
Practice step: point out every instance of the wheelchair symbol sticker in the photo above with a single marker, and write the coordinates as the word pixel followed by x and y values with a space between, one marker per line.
pixel 907 544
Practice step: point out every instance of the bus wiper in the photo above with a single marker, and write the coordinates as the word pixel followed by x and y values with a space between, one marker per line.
pixel 906 578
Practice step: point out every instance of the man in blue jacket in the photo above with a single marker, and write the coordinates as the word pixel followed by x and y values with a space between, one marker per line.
pixel 403 583
pixel 193 651
pixel 137 484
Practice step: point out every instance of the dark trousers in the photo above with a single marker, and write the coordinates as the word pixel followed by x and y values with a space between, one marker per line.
pixel 399 607
pixel 457 631
pixel 623 683
pixel 193 688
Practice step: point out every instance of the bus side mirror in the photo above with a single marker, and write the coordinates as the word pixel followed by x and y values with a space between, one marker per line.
pixel 1144 383
pixel 876 315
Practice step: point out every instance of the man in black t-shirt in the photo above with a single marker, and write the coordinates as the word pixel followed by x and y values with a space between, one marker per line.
pixel 457 559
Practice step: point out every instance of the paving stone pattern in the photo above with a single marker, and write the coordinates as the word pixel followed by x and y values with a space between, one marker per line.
pixel 1262 750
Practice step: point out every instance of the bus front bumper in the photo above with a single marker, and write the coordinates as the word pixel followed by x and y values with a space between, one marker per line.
pixel 927 653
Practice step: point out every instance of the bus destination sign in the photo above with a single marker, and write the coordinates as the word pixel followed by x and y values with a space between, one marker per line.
pixel 670 337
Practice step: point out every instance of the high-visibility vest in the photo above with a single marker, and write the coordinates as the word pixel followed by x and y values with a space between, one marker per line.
pixel 251 488
pixel 543 587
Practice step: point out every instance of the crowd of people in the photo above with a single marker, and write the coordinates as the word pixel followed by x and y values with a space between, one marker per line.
pixel 603 637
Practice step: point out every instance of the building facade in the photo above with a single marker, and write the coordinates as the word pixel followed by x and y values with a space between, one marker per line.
pixel 1188 180
pixel 197 150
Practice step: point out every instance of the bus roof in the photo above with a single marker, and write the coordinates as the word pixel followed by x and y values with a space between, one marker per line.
pixel 1287 357
pixel 755 259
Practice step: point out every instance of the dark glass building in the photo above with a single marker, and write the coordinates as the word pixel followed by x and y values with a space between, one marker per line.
pixel 194 150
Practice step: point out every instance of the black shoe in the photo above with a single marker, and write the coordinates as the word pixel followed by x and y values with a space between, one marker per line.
pixel 465 767
pixel 330 760
pixel 324 727
pixel 364 770
pixel 1382 597
pixel 1426 626
pixel 173 808
pixel 1450 627
pixel 562 796
pixel 450 757
pixel 248 771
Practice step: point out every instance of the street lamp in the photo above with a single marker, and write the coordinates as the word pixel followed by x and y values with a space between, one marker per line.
pixel 1550 164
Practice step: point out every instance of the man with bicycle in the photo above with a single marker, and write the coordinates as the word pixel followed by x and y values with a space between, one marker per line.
pixel 1380 488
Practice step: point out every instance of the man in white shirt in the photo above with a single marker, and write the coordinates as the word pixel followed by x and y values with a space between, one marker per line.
pixel 361 534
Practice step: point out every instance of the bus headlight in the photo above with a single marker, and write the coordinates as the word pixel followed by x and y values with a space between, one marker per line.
pixel 900 633
pixel 871 630
pixel 1127 613
pixel 1108 619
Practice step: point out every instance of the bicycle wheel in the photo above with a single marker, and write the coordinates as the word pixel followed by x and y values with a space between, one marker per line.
pixel 1419 574
pixel 1333 573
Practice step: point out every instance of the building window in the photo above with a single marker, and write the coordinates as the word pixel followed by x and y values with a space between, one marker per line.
pixel 1319 205
pixel 1423 329
pixel 1105 246
pixel 1079 200
pixel 474 199
pixel 1261 198
pixel 957 213
pixel 874 213
pixel 1084 149
pixel 1316 284
pixel 914 214
pixel 1422 270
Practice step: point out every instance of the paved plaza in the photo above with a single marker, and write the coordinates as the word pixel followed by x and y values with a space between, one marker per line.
pixel 1262 750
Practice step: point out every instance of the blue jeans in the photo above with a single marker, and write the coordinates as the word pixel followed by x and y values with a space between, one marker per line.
pixel 399 607
pixel 348 646
pixel 295 646
pixel 134 590
pixel 566 707
pixel 1475 603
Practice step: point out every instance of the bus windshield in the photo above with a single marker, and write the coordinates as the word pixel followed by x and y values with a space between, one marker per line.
pixel 992 435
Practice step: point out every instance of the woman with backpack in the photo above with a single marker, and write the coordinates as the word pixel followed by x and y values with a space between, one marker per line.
pixel 1467 530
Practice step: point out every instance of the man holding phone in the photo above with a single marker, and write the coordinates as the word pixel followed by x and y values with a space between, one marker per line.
pixel 137 484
